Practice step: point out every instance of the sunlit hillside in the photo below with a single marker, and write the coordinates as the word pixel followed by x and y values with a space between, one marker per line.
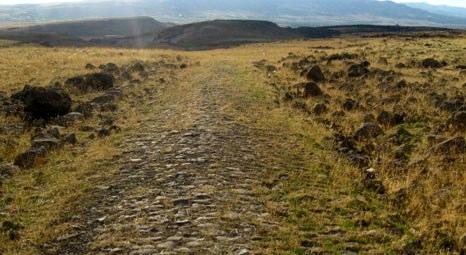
pixel 338 146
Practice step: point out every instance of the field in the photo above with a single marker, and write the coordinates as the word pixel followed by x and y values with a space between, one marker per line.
pixel 283 165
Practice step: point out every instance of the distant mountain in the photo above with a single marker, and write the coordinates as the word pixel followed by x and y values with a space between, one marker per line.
pixel 440 9
pixel 284 12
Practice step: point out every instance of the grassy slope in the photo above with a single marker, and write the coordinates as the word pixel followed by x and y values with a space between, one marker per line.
pixel 311 176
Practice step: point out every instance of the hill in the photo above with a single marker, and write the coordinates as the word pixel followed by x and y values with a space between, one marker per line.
pixel 132 32
pixel 285 12
pixel 222 33
pixel 142 32
pixel 97 28
pixel 227 33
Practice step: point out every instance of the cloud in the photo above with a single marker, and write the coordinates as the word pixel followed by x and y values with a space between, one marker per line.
pixel 460 3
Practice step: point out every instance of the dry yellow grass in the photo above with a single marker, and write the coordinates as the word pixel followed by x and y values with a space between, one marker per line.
pixel 36 198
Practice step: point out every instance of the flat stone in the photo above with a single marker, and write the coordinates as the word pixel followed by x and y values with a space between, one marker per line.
pixel 196 243
pixel 182 222
pixel 181 202
pixel 243 252
pixel 166 245
pixel 175 238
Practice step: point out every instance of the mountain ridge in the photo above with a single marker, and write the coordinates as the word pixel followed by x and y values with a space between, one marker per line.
pixel 296 13
pixel 440 9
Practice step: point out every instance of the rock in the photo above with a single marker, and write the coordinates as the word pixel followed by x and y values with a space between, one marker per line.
pixel 368 130
pixel 43 103
pixel 103 132
pixel 101 100
pixel 315 74
pixel 358 70
pixel 299 105
pixel 137 67
pixel 166 245
pixel 95 81
pixel 109 68
pixel 349 104
pixel 73 117
pixel 114 92
pixel 342 56
pixel 7 170
pixel 401 136
pixel 401 84
pixel 399 117
pixel 319 108
pixel 432 63
pixel 99 81
pixel 452 104
pixel 70 139
pixel 50 143
pixel 358 159
pixel 28 159
pixel 311 89
pixel 371 183
pixel 459 120
pixel 109 107
pixel 11 229
pixel 243 252
pixel 90 66
pixel 400 65
pixel 54 131
pixel 456 145
pixel 86 109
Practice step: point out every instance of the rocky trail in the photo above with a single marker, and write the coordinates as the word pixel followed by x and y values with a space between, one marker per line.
pixel 177 191
pixel 191 180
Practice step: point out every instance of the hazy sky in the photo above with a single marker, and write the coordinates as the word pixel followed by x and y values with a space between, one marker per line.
pixel 461 3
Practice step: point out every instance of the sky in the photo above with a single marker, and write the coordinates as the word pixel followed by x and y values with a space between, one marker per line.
pixel 461 3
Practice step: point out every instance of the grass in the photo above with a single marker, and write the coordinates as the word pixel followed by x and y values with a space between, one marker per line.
pixel 425 210
pixel 315 194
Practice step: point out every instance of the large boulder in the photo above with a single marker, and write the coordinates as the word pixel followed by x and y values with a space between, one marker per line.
pixel 315 74
pixel 94 81
pixel 368 130
pixel 43 103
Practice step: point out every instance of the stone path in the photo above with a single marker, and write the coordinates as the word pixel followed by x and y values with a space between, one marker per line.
pixel 186 191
